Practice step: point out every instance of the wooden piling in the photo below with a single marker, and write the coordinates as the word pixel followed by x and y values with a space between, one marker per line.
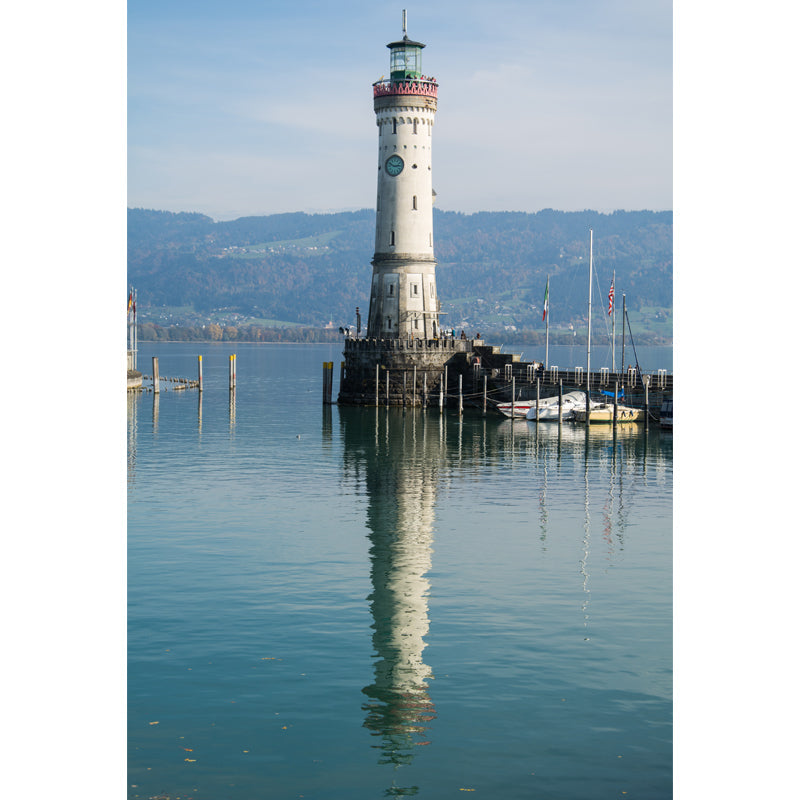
pixel 156 379
pixel 387 387
pixel 232 372
pixel 460 395
pixel 441 391
pixel 646 382
pixel 537 401
pixel 513 392
pixel 200 373
pixel 414 387
pixel 377 385
pixel 424 389
pixel 484 395
pixel 560 398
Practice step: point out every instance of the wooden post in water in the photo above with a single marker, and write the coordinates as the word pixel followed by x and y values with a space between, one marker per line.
pixel 445 383
pixel 560 398
pixel 324 382
pixel 232 372
pixel 405 373
pixel 425 389
pixel 460 396
pixel 484 395
pixel 537 401
pixel 377 385
pixel 387 387
pixel 646 382
pixel 156 378
pixel 414 387
pixel 616 391
pixel 441 391
pixel 200 373
pixel 513 392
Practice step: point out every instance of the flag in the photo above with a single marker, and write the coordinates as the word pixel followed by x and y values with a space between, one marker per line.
pixel 611 298
pixel 130 301
pixel 546 298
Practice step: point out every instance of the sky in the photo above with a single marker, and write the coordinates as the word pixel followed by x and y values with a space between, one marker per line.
pixel 246 108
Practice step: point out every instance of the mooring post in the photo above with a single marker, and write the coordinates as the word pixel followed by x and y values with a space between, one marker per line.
pixel 537 401
pixel 460 396
pixel 377 385
pixel 232 372
pixel 441 391
pixel 445 382
pixel 484 395
pixel 560 398
pixel 513 392
pixel 405 373
pixel 341 375
pixel 387 387
pixel 414 387
pixel 156 379
pixel 616 391
pixel 425 389
pixel 646 382
pixel 324 382
pixel 200 373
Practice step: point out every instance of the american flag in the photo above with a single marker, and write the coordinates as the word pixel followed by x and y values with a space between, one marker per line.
pixel 611 298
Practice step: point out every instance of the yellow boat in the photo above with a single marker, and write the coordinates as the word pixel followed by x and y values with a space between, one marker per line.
pixel 605 413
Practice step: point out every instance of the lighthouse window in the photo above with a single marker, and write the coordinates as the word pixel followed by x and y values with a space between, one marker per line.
pixel 414 289
pixel 391 289
pixel 414 203
pixel 415 126
pixel 391 239
pixel 394 124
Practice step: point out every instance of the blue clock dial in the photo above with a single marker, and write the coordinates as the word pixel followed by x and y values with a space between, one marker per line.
pixel 394 165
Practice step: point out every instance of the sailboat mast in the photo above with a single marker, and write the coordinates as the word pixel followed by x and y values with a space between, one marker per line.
pixel 622 364
pixel 589 337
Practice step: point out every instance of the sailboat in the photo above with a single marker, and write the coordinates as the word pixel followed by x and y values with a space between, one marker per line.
pixel 593 411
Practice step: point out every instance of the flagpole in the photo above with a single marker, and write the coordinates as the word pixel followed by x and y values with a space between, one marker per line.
pixel 547 323
pixel 614 322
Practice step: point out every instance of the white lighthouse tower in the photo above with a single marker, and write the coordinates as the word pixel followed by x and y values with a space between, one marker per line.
pixel 404 302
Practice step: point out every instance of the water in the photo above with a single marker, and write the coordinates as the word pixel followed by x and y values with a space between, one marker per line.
pixel 363 603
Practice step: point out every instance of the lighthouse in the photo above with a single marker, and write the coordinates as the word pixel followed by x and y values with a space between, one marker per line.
pixel 404 303
pixel 405 357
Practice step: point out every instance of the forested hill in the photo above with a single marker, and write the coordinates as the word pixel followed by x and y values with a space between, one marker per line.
pixel 312 269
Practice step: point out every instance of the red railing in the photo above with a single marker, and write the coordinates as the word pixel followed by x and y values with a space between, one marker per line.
pixel 423 86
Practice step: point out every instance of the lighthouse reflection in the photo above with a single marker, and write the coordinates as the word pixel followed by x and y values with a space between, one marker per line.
pixel 399 472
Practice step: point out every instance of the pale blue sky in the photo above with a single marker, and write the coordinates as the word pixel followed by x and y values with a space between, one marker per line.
pixel 243 108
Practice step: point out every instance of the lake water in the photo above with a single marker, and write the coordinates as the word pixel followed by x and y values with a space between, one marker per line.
pixel 333 602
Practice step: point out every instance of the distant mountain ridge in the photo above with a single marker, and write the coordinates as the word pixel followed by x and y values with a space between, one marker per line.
pixel 312 269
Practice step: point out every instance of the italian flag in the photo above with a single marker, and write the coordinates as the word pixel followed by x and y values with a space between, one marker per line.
pixel 546 298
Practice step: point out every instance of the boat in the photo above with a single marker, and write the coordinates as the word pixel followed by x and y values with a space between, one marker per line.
pixel 520 408
pixel 665 416
pixel 548 407
pixel 604 412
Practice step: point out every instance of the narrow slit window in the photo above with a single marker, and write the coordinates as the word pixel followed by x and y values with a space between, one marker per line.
pixel 394 125
pixel 391 239
pixel 414 203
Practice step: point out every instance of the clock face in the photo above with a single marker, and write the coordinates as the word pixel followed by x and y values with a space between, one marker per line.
pixel 394 165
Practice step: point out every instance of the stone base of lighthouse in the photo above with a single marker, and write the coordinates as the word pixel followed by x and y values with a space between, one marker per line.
pixel 399 372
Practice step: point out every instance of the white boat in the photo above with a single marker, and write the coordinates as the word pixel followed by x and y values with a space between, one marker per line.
pixel 520 408
pixel 548 407
pixel 604 412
